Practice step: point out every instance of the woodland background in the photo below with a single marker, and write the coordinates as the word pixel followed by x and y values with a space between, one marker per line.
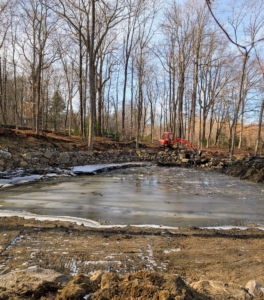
pixel 131 69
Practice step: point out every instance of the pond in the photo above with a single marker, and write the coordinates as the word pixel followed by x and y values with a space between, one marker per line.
pixel 149 195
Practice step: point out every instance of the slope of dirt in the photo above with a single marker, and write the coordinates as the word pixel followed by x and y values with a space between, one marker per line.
pixel 251 170
pixel 27 140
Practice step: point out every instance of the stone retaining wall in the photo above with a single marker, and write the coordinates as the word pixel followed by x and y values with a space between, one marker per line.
pixel 50 160
pixel 56 159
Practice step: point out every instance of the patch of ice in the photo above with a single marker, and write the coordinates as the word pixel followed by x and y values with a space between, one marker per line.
pixel 176 250
pixel 95 224
pixel 27 215
pixel 87 169
pixel 172 250
pixel 51 175
pixel 15 178
pixel 19 180
pixel 149 258
pixel 14 241
pixel 93 262
pixel 232 227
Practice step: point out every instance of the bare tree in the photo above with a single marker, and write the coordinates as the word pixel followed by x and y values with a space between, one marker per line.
pixel 37 48
pixel 153 94
pixel 5 19
pixel 98 19
pixel 261 68
pixel 130 40
pixel 145 34
pixel 252 31
pixel 71 79
pixel 5 23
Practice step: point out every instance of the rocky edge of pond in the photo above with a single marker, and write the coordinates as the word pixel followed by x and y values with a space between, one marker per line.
pixel 43 161
pixel 38 283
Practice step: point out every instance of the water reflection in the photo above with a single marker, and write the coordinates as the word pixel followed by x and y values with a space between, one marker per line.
pixel 145 195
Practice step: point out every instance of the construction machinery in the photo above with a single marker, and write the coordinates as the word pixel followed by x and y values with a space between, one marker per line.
pixel 167 140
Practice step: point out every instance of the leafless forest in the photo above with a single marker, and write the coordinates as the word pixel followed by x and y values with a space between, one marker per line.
pixel 131 69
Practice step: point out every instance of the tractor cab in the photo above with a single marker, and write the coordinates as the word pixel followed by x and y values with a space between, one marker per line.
pixel 166 139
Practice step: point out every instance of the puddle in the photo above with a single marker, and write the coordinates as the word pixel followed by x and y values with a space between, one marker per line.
pixel 144 195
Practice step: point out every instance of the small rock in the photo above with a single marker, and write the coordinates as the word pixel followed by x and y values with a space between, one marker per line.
pixel 255 288
pixel 27 156
pixel 23 164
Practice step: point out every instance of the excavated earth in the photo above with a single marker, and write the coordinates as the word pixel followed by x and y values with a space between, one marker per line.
pixel 62 260
pixel 56 260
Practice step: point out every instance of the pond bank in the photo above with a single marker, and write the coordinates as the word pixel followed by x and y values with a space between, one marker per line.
pixel 50 160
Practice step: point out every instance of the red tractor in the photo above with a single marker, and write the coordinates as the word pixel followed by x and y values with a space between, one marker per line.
pixel 167 140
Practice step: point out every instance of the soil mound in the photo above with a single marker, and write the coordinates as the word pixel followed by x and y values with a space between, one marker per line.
pixel 44 284
pixel 252 170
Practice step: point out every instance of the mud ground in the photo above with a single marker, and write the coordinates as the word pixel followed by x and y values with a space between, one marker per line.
pixel 233 256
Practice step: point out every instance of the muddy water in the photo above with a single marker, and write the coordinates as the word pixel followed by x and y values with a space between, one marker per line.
pixel 145 195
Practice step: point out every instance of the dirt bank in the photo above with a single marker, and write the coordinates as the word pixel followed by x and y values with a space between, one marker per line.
pixel 197 255
pixel 251 170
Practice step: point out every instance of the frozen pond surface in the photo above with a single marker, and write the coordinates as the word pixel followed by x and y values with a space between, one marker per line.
pixel 144 195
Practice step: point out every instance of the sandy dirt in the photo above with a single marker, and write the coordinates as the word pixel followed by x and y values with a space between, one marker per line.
pixel 228 256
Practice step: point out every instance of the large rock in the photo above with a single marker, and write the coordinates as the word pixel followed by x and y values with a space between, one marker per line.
pixel 5 154
pixel 48 154
pixel 64 158
pixel 221 291
pixel 33 282
pixel 23 164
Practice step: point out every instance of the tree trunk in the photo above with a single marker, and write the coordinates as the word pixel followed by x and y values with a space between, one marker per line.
pixel 132 102
pixel 259 127
pixel 92 80
pixel 240 99
pixel 100 99
pixel 81 83
pixel 124 98
pixel 38 93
